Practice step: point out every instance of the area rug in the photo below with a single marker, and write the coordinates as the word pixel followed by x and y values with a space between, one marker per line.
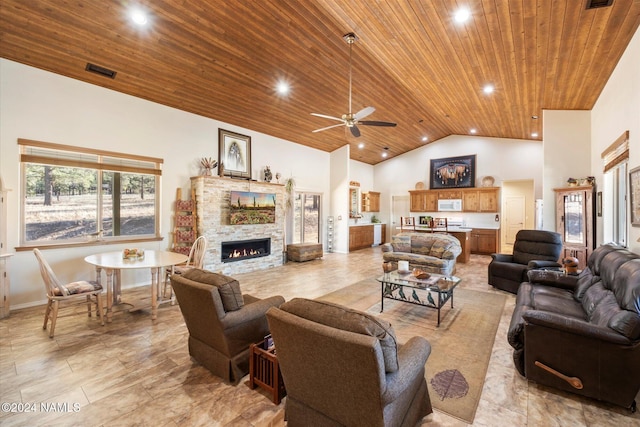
pixel 460 347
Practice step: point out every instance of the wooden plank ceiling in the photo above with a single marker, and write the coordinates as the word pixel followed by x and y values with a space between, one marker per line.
pixel 418 67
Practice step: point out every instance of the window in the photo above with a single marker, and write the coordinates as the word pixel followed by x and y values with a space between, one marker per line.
pixel 615 161
pixel 306 218
pixel 73 194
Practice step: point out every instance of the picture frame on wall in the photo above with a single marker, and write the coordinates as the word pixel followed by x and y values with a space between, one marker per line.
pixel 453 172
pixel 634 189
pixel 234 153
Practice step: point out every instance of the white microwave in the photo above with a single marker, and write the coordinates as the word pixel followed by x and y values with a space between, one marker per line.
pixel 450 205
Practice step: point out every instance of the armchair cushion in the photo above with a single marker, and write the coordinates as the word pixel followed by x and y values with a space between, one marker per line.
pixel 340 317
pixel 228 287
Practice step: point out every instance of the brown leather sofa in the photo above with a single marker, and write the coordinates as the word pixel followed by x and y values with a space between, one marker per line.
pixel 343 367
pixel 582 333
pixel 222 322
pixel 531 249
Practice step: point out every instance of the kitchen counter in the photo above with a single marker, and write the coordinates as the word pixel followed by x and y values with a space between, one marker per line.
pixel 360 224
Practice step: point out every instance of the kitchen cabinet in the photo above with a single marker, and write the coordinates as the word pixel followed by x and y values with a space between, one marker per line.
pixel 464 237
pixel 484 241
pixel 575 222
pixel 449 194
pixel 363 236
pixel 484 199
pixel 5 288
pixel 480 200
pixel 360 237
pixel 423 201
pixel 371 201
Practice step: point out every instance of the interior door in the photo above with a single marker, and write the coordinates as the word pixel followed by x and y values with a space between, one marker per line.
pixel 514 218
pixel 399 208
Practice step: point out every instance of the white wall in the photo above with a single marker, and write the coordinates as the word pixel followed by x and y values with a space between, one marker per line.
pixel 339 178
pixel 617 110
pixel 504 159
pixel 567 154
pixel 43 106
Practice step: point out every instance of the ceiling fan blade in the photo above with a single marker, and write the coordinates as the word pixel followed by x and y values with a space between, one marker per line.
pixel 363 113
pixel 326 117
pixel 355 131
pixel 375 123
pixel 328 127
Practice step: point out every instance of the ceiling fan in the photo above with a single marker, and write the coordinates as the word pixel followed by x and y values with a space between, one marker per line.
pixel 350 119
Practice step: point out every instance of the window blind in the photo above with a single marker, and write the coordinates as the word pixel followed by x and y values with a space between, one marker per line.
pixel 616 153
pixel 66 155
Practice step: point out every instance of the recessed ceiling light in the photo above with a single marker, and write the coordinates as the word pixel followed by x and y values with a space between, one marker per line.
pixel 425 138
pixel 384 154
pixel 472 130
pixel 361 145
pixel 139 17
pixel 283 88
pixel 488 89
pixel 462 15
pixel 534 117
pixel 534 135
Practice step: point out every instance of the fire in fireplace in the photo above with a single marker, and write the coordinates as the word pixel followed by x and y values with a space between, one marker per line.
pixel 244 249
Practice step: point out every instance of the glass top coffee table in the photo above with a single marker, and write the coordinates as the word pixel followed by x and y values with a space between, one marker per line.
pixel 407 288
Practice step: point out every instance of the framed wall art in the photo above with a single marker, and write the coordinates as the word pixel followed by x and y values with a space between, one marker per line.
pixel 234 153
pixel 634 188
pixel 453 172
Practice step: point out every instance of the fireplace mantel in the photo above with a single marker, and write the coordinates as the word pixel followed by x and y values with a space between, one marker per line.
pixel 213 199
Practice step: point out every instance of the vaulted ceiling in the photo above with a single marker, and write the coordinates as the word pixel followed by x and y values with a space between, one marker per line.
pixel 413 62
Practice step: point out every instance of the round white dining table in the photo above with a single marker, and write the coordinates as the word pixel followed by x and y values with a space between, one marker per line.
pixel 114 262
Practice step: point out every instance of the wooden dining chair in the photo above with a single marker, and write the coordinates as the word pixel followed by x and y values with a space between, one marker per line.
pixel 439 225
pixel 407 223
pixel 195 260
pixel 81 291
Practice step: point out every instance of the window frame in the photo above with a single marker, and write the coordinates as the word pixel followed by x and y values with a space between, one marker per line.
pixel 59 155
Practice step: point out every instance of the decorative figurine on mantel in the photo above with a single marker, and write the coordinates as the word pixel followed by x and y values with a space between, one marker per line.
pixel 208 163
pixel 267 174
pixel 278 176
pixel 221 170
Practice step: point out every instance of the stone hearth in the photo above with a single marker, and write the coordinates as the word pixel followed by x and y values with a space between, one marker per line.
pixel 213 199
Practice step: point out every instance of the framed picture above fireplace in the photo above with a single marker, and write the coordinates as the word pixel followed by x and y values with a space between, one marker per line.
pixel 235 154
pixel 248 207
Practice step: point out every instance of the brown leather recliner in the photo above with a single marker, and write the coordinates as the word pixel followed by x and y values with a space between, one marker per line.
pixel 222 322
pixel 582 333
pixel 532 249
pixel 343 367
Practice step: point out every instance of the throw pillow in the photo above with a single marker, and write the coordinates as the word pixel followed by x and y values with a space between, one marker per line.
pixel 340 317
pixel 228 287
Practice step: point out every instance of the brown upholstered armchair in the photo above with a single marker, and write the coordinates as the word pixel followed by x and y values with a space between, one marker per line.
pixel 222 322
pixel 342 367
pixel 532 249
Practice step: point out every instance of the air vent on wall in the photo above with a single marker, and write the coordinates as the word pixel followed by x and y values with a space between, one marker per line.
pixel 100 70
pixel 594 4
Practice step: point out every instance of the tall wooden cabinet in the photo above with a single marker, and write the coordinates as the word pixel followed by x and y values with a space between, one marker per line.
pixel 575 221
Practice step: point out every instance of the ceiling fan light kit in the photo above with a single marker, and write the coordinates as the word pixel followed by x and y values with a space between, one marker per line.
pixel 351 120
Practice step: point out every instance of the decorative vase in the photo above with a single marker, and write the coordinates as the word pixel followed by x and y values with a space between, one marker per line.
pixel 267 174
pixel 221 169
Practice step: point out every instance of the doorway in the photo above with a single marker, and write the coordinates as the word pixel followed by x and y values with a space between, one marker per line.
pixel 518 211
pixel 306 218
pixel 399 208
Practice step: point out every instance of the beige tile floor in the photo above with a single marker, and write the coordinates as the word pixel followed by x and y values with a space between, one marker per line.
pixel 135 372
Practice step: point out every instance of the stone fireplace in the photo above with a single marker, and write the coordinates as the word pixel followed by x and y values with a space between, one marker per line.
pixel 213 197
